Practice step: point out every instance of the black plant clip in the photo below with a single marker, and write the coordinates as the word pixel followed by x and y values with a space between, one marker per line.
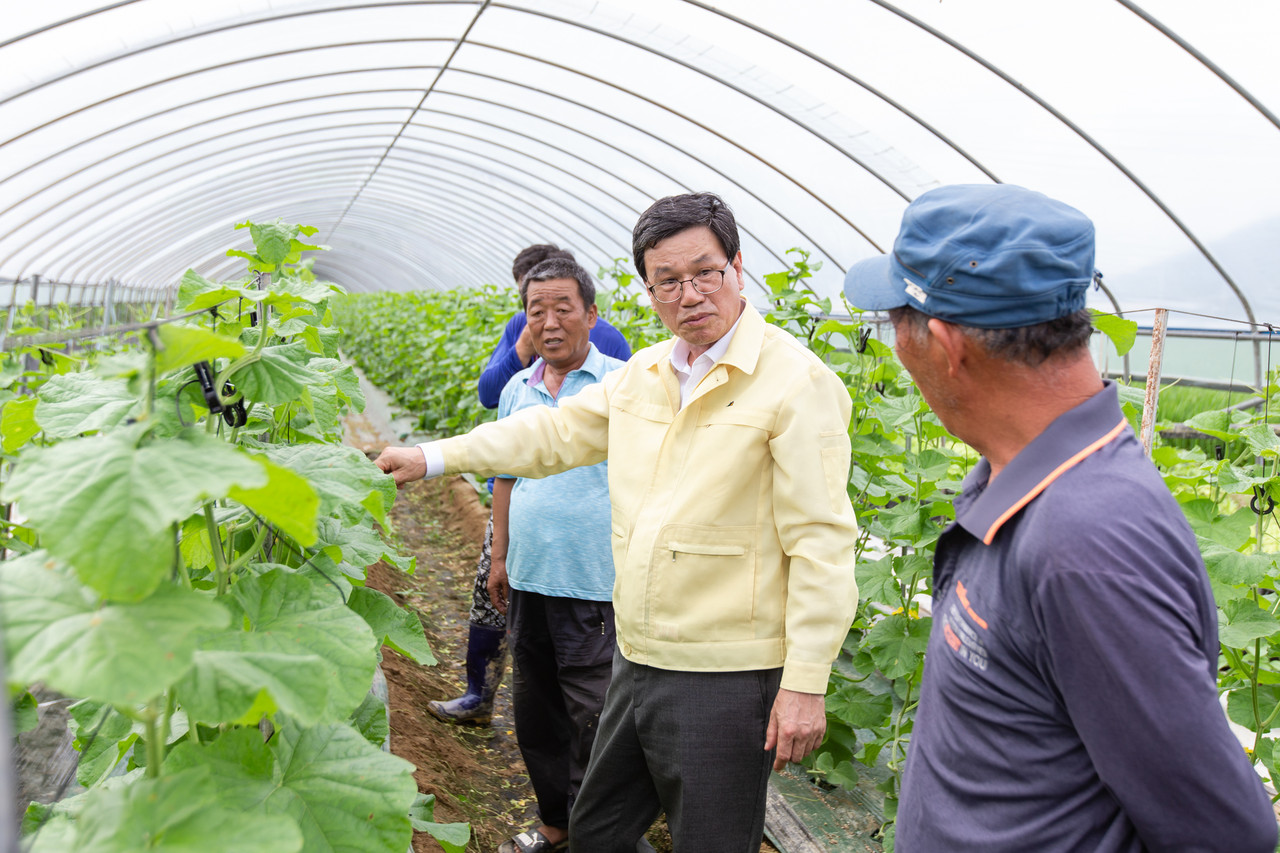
pixel 863 337
pixel 234 413
pixel 204 374
pixel 1258 493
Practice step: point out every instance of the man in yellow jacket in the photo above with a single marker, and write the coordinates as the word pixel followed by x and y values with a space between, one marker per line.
pixel 733 542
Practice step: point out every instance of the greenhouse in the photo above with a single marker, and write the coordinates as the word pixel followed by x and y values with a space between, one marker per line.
pixel 244 247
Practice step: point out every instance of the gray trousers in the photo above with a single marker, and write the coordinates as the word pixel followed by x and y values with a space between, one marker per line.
pixel 560 652
pixel 689 743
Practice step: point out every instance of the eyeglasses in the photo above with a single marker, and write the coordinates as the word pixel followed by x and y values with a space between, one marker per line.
pixel 671 289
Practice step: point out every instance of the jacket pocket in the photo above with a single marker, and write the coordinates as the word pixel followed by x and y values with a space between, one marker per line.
pixel 835 469
pixel 703 583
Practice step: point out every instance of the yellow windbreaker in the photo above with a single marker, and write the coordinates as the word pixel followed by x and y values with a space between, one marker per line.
pixel 733 535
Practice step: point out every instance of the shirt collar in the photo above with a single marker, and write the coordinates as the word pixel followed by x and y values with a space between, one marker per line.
pixel 594 365
pixel 739 347
pixel 982 508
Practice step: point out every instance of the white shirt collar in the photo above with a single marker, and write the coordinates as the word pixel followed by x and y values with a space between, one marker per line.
pixel 715 352
pixel 690 375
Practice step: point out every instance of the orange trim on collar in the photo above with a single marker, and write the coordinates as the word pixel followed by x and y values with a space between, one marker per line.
pixel 1053 475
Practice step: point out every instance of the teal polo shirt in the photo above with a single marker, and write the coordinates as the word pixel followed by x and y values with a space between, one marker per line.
pixel 559 526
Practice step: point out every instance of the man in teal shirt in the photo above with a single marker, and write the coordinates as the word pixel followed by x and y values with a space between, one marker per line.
pixel 552 562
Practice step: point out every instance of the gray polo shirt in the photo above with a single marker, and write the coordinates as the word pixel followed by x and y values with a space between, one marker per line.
pixel 1069 700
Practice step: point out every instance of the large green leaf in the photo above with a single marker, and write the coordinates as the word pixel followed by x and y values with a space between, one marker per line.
pixel 58 632
pixel 859 707
pixel 291 615
pixel 344 378
pixel 321 402
pixel 361 545
pixel 232 669
pixel 348 483
pixel 1261 439
pixel 370 720
pixel 1122 331
pixel 286 500
pixel 346 794
pixel 393 625
pixel 103 736
pixel 77 403
pixel 184 345
pixel 1240 705
pixel 195 293
pixel 876 581
pixel 453 837
pixel 1230 531
pixel 1233 568
pixel 181 813
pixel 1217 423
pixel 271 240
pixel 278 376
pixel 106 506
pixel 898 643
pixel 18 423
pixel 291 290
pixel 1243 621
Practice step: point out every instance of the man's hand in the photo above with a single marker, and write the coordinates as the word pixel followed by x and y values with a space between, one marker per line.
pixel 796 725
pixel 524 347
pixel 404 463
pixel 498 589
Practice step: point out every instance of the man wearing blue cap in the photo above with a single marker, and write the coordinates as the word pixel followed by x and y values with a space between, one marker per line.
pixel 1069 698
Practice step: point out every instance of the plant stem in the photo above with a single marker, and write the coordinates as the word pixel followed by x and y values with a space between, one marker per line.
pixel 178 562
pixel 1253 693
pixel 252 550
pixel 897 731
pixel 155 746
pixel 215 545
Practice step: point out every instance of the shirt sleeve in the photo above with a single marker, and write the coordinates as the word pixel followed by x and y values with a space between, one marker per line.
pixel 503 363
pixel 610 341
pixel 816 526
pixel 1124 654
pixel 434 459
pixel 538 441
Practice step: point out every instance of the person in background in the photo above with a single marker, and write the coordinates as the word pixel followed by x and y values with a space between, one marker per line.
pixel 733 542
pixel 1069 696
pixel 486 660
pixel 515 348
pixel 552 572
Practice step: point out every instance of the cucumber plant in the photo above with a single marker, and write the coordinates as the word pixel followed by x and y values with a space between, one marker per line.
pixel 188 542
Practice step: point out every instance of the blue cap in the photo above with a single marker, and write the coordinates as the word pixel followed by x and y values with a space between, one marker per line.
pixel 994 256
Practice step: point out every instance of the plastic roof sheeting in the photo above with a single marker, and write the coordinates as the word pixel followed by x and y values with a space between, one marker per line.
pixel 430 141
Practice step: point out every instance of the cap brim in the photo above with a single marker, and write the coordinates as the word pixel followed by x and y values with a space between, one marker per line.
pixel 871 286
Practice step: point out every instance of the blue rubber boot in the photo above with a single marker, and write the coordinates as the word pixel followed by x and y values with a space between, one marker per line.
pixel 486 664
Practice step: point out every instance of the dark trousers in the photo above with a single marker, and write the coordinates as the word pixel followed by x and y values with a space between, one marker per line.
pixel 689 743
pixel 561 650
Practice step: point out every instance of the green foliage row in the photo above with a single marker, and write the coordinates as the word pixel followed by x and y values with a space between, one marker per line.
pixel 427 348
pixel 196 581
pixel 906 469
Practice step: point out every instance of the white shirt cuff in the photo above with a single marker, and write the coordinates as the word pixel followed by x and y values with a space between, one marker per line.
pixel 434 459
